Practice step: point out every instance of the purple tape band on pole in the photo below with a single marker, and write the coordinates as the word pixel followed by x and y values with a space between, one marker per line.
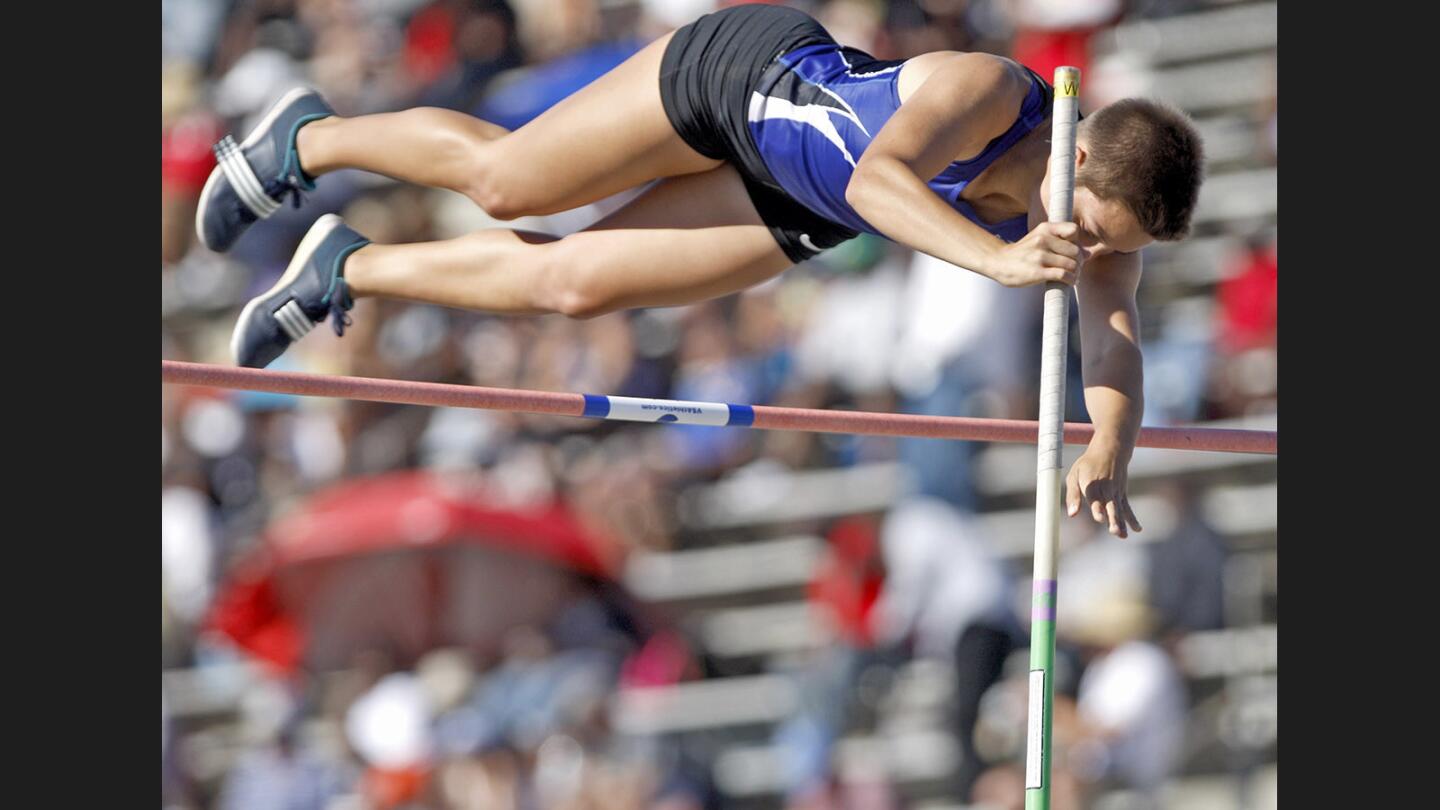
pixel 1043 609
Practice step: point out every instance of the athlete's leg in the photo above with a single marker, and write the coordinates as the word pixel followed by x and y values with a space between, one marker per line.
pixel 609 136
pixel 428 146
pixel 686 239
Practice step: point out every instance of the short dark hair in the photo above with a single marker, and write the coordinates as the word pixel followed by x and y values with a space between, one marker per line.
pixel 1147 155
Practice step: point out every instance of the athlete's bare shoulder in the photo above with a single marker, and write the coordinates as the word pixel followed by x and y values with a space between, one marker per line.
pixel 959 100
pixel 964 101
pixel 974 73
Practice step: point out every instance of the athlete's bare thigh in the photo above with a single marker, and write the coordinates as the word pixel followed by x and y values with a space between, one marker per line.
pixel 610 135
pixel 686 239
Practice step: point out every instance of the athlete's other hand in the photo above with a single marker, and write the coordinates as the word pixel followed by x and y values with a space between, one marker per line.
pixel 1049 253
pixel 1098 479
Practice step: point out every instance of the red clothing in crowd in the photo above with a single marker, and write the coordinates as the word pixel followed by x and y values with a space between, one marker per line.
pixel 185 155
pixel 1043 51
pixel 848 581
pixel 1249 300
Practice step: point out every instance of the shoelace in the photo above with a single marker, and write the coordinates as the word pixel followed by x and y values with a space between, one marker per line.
pixel 339 308
pixel 290 185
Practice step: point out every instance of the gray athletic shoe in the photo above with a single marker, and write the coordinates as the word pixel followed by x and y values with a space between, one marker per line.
pixel 252 179
pixel 312 288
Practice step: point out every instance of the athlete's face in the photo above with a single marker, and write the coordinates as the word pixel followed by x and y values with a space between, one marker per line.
pixel 1107 226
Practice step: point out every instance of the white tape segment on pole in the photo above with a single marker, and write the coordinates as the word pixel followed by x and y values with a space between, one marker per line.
pixel 1035 728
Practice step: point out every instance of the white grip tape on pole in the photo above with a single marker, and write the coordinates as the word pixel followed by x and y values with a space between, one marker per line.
pixel 1062 144
pixel 1054 344
pixel 1055 341
pixel 1047 523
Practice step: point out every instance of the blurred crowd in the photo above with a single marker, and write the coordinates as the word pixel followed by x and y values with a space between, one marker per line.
pixel 868 325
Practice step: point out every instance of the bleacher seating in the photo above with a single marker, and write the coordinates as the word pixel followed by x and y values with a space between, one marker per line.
pixel 1207 35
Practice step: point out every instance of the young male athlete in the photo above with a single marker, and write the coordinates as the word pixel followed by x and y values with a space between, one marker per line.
pixel 770 142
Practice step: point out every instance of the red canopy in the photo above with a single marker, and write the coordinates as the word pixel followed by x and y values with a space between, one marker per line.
pixel 410 560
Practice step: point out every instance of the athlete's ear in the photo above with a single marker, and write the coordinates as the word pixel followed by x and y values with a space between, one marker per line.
pixel 1079 155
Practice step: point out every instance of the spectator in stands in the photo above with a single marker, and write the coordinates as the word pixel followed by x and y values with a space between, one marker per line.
pixel 842 598
pixel 1248 299
pixel 941 577
pixel 280 776
pixel 1001 740
pixel 849 334
pixel 1174 392
pixel 176 788
pixel 1052 33
pixel 455 48
pixel 1187 567
pixel 186 131
pixel 187 550
pixel 1002 787
pixel 711 369
pixel 1248 296
pixel 280 772
pixel 946 596
pixel 1131 698
pixel 960 352
pixel 389 727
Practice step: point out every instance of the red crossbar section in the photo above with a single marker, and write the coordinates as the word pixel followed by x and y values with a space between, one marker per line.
pixel 767 417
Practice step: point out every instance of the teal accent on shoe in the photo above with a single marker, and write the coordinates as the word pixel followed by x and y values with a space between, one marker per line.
pixel 338 276
pixel 292 154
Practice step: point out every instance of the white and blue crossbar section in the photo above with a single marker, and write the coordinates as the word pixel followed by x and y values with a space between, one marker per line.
pixel 639 409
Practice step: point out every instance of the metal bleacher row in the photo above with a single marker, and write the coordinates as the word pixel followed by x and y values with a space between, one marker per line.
pixel 744 600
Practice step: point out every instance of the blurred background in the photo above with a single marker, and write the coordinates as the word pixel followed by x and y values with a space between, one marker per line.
pixel 379 606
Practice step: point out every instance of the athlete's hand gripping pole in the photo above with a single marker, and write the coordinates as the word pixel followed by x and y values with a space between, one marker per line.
pixel 1048 470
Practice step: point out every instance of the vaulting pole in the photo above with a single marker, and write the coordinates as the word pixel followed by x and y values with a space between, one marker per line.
pixel 1051 439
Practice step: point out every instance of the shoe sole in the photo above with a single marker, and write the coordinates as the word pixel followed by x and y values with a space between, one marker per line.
pixel 250 140
pixel 317 234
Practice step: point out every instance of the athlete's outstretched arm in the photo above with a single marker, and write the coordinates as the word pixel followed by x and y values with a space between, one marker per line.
pixel 958 110
pixel 1114 394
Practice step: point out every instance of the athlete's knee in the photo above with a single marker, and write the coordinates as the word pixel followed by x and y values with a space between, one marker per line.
pixel 462 147
pixel 581 299
pixel 490 189
pixel 583 309
pixel 575 284
pixel 504 180
pixel 496 183
pixel 500 202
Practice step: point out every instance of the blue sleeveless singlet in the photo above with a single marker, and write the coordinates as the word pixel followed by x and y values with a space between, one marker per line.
pixel 819 106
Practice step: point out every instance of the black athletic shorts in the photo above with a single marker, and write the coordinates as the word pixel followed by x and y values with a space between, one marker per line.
pixel 709 70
